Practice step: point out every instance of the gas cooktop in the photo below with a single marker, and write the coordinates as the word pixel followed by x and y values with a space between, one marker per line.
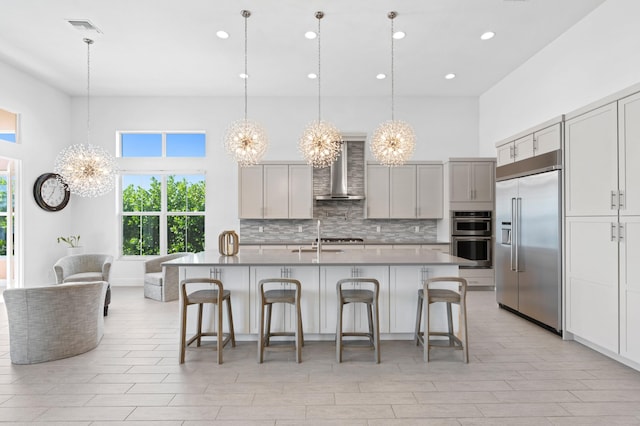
pixel 341 240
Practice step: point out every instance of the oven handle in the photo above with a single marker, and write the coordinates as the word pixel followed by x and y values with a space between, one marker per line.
pixel 458 238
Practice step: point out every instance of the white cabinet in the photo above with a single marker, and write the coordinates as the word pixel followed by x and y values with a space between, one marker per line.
pixel 354 315
pixel 602 226
pixel 276 191
pixel 405 192
pixel 471 184
pixel 283 316
pixel 478 277
pixel 536 143
pixel 236 280
pixel 404 283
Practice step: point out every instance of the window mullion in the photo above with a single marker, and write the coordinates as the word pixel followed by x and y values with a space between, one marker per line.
pixel 163 216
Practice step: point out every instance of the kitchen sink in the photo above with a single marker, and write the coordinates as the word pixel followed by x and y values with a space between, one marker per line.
pixel 310 250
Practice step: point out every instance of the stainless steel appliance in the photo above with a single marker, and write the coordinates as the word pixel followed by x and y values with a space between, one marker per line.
pixel 471 237
pixel 528 240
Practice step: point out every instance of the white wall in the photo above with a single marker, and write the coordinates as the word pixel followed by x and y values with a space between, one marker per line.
pixel 445 127
pixel 44 115
pixel 597 57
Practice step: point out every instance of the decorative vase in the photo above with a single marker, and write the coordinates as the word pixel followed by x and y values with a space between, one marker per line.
pixel 74 250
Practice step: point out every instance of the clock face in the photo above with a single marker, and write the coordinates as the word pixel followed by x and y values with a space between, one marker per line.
pixel 50 192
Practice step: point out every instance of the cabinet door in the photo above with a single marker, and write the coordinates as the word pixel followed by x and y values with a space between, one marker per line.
pixel 592 280
pixel 276 191
pixel 629 154
pixel 460 182
pixel 505 154
pixel 402 194
pixel 283 316
pixel 483 181
pixel 300 192
pixel 630 289
pixel 250 187
pixel 236 280
pixel 354 316
pixel 591 162
pixel 404 283
pixel 377 192
pixel 547 140
pixel 523 148
pixel 430 191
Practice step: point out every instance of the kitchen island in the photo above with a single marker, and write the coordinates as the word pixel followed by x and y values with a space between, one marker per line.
pixel 399 271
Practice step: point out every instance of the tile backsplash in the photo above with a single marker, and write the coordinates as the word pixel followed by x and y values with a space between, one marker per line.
pixel 339 219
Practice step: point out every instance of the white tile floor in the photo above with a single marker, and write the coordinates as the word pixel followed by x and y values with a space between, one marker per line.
pixel 518 374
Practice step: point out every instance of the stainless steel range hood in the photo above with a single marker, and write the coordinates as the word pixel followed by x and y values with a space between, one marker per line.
pixel 339 188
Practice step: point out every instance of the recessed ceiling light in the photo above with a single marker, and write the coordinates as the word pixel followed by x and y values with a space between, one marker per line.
pixel 381 76
pixel 450 76
pixel 84 25
pixel 222 34
pixel 312 76
pixel 310 35
pixel 243 75
pixel 487 36
pixel 399 35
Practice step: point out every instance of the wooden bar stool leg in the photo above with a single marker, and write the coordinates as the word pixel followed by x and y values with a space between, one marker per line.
pixel 232 332
pixel 450 325
pixel 463 310
pixel 376 328
pixel 298 334
pixel 261 333
pixel 219 334
pixel 426 328
pixel 370 322
pixel 339 331
pixel 199 340
pixel 183 332
pixel 267 334
pixel 416 336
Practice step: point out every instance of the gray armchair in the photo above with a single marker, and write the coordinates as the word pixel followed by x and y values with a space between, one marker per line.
pixel 85 268
pixel 161 282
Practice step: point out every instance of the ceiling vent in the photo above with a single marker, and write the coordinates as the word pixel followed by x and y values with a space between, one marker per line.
pixel 84 25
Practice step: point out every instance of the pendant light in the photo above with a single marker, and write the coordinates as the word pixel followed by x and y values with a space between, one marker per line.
pixel 393 141
pixel 88 170
pixel 321 142
pixel 246 141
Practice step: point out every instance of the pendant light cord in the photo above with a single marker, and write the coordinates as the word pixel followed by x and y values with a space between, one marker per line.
pixel 89 43
pixel 246 15
pixel 319 15
pixel 392 16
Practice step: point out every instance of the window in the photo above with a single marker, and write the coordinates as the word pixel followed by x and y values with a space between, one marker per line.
pixel 162 144
pixel 161 212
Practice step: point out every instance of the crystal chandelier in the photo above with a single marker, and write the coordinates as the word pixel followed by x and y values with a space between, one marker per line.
pixel 393 141
pixel 88 170
pixel 246 140
pixel 321 142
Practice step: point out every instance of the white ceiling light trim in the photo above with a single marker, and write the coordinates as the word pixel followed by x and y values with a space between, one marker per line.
pixel 488 35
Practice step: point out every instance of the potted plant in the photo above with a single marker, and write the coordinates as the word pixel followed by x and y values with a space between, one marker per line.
pixel 73 244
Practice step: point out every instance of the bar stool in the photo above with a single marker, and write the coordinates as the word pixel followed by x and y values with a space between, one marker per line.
pixel 370 298
pixel 434 295
pixel 268 298
pixel 200 297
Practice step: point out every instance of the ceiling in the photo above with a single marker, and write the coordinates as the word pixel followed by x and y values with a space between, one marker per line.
pixel 169 47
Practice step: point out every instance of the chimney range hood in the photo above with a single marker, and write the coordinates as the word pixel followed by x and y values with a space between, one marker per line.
pixel 339 188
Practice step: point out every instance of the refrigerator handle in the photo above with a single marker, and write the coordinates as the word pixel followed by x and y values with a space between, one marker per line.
pixel 518 212
pixel 514 232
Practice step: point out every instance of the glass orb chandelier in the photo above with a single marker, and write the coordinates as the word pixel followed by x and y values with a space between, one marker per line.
pixel 393 141
pixel 321 142
pixel 245 140
pixel 88 170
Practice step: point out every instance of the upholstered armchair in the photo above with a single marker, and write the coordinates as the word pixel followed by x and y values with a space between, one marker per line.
pixel 85 268
pixel 161 282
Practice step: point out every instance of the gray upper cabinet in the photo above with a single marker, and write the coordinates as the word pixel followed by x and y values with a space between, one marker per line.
pixel 471 184
pixel 537 142
pixel 275 191
pixel 405 192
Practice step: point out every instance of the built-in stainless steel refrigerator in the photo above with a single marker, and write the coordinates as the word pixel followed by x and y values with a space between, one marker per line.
pixel 528 242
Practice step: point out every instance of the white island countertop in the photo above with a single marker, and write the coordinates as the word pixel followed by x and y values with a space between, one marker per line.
pixel 382 256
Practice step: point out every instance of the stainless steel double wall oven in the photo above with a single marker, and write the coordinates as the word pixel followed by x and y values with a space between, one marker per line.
pixel 471 237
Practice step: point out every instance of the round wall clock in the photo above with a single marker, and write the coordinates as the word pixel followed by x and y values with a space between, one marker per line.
pixel 50 193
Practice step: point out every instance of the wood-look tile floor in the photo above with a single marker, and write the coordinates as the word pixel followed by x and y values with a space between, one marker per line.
pixel 518 374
